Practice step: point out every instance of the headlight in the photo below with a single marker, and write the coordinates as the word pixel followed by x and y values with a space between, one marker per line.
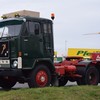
pixel 15 64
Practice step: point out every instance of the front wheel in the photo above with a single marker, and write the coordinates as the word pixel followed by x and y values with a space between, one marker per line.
pixel 40 77
pixel 7 83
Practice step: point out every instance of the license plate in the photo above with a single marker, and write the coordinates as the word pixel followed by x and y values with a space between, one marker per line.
pixel 4 62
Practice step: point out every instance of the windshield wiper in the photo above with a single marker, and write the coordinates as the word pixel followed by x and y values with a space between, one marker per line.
pixel 2 32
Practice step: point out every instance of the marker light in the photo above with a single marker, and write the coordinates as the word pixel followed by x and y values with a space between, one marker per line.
pixel 19 54
pixel 4 17
pixel 52 16
pixel 17 15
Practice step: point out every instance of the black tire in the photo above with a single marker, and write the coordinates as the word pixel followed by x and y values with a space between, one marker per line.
pixel 62 81
pixel 40 77
pixel 91 77
pixel 81 81
pixel 7 83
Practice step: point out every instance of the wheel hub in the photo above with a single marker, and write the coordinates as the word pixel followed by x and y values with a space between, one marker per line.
pixel 41 78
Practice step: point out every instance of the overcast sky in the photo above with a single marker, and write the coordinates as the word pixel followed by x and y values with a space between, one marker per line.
pixel 73 19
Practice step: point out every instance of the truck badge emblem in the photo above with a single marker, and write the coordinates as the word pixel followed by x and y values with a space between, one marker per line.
pixel 4 47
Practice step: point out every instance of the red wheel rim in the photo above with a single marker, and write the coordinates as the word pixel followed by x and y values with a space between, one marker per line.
pixel 41 78
pixel 92 78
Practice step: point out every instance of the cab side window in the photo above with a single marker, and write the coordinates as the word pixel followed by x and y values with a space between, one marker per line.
pixel 33 28
pixel 47 28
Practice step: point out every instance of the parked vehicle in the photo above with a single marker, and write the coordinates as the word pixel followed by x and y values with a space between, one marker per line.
pixel 27 54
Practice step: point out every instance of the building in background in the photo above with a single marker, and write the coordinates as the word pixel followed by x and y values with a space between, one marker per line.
pixel 56 58
pixel 55 53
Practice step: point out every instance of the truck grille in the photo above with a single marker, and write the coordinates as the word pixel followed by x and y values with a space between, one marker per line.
pixel 4 49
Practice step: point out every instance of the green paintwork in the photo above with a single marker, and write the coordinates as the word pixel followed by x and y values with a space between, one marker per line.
pixel 33 46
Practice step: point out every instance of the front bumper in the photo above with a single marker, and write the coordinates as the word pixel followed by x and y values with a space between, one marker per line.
pixel 11 72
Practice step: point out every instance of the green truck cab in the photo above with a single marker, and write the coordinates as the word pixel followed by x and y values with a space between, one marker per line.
pixel 26 51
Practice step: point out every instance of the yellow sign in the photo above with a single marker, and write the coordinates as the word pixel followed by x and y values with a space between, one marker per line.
pixel 83 52
pixel 55 53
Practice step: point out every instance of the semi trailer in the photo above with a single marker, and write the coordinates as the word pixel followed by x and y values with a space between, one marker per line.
pixel 27 54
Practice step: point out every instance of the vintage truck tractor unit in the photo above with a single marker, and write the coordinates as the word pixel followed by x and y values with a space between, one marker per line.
pixel 27 53
pixel 26 50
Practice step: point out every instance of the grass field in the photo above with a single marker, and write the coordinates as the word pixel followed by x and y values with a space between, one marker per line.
pixel 53 93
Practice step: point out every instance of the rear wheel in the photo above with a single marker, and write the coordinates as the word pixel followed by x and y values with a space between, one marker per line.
pixel 81 81
pixel 62 81
pixel 91 77
pixel 40 77
pixel 7 83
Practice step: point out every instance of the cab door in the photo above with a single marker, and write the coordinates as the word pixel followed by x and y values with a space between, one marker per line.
pixel 48 39
pixel 32 43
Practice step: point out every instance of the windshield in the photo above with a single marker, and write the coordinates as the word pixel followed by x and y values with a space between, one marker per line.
pixel 10 28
